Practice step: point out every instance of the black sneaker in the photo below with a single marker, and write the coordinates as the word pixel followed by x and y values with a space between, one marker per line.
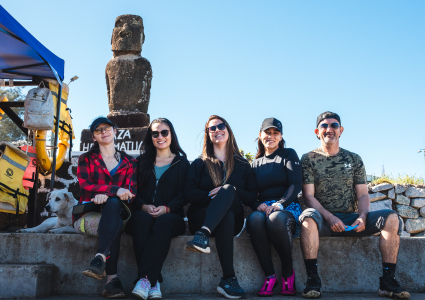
pixel 312 287
pixel 96 269
pixel 114 289
pixel 199 243
pixel 231 289
pixel 389 287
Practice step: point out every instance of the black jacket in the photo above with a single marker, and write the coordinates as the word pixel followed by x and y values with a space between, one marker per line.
pixel 199 184
pixel 169 190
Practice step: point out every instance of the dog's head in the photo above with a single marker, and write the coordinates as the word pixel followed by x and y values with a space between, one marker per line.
pixel 59 200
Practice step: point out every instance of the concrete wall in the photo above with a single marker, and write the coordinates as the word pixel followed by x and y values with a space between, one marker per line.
pixel 345 264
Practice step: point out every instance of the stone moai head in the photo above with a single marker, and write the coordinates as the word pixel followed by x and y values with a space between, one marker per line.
pixel 128 33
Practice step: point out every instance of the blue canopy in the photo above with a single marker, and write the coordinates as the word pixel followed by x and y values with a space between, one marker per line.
pixel 22 56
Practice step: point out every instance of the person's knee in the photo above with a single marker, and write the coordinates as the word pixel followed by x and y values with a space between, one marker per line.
pixel 113 203
pixel 141 218
pixel 392 223
pixel 256 218
pixel 228 189
pixel 279 218
pixel 308 224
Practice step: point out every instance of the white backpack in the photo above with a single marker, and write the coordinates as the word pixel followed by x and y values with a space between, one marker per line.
pixel 39 109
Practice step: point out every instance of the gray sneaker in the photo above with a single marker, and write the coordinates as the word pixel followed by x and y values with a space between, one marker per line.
pixel 96 269
pixel 114 289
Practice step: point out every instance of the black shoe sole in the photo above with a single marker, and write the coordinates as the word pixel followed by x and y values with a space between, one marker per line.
pixel 312 294
pixel 113 296
pixel 89 273
pixel 194 248
pixel 223 292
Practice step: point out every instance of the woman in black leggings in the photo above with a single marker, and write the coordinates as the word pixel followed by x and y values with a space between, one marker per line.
pixel 278 175
pixel 216 186
pixel 158 208
pixel 107 178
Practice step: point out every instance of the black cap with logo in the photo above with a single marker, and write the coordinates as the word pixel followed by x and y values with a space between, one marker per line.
pixel 98 121
pixel 327 115
pixel 271 122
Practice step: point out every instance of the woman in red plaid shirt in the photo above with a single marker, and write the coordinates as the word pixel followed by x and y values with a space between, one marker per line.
pixel 107 177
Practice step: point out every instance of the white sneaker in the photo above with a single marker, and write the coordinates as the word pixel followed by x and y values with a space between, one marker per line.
pixel 155 292
pixel 142 288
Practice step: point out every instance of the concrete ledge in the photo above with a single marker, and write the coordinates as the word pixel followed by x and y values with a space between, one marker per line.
pixel 349 265
pixel 27 280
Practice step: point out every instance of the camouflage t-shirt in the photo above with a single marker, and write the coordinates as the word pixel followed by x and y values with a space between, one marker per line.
pixel 334 178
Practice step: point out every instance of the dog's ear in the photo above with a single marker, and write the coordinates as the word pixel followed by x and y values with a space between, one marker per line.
pixel 48 196
pixel 68 196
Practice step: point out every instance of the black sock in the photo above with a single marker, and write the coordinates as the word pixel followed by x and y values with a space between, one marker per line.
pixel 227 276
pixel 205 231
pixel 311 265
pixel 388 269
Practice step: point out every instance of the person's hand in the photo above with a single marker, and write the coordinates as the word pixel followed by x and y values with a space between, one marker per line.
pixel 336 224
pixel 262 207
pixel 124 194
pixel 271 209
pixel 214 192
pixel 160 210
pixel 100 199
pixel 150 209
pixel 361 221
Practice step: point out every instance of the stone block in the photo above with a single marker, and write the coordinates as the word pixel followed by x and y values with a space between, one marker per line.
pixel 422 211
pixel 381 187
pixel 403 200
pixel 413 192
pixel 376 196
pixel 129 120
pixel 420 234
pixel 391 194
pixel 383 204
pixel 27 280
pixel 404 234
pixel 415 225
pixel 407 212
pixel 417 202
pixel 399 188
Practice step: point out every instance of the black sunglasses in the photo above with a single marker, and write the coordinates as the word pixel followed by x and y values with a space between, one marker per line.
pixel 333 126
pixel 220 126
pixel 164 133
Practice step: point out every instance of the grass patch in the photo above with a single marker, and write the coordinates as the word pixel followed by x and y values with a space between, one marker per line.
pixel 400 179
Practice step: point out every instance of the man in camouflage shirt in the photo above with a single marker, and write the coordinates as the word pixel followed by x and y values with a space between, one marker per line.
pixel 335 190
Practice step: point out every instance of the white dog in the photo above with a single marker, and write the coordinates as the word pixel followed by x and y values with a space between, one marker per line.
pixel 60 203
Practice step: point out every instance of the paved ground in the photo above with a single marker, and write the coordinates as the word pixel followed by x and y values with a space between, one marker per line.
pixel 250 297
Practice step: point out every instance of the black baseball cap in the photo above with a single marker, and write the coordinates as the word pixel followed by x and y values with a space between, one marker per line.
pixel 327 115
pixel 271 122
pixel 98 121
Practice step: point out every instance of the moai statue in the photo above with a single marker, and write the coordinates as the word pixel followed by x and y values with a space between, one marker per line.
pixel 128 74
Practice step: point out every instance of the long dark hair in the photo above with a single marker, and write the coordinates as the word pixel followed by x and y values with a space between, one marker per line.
pixel 262 151
pixel 212 162
pixel 148 151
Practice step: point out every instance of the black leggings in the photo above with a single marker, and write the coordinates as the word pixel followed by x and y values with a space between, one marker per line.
pixel 151 241
pixel 278 229
pixel 224 217
pixel 110 229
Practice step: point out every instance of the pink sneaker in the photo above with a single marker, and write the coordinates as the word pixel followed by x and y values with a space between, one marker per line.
pixel 288 285
pixel 267 289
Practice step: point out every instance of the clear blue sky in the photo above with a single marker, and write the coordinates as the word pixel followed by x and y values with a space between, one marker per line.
pixel 248 60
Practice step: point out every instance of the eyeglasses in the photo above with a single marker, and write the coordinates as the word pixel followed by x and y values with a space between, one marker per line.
pixel 164 133
pixel 220 126
pixel 325 126
pixel 99 130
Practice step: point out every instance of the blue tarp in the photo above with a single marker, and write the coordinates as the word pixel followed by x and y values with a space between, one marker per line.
pixel 22 56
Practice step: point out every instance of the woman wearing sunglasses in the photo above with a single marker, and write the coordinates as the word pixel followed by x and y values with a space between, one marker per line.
pixel 278 175
pixel 108 178
pixel 217 183
pixel 158 208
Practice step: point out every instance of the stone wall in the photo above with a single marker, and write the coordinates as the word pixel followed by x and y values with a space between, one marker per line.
pixel 407 200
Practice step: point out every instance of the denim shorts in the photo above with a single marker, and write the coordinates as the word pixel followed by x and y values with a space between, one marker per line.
pixel 375 222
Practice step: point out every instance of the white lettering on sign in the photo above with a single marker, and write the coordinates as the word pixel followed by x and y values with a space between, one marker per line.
pixel 122 133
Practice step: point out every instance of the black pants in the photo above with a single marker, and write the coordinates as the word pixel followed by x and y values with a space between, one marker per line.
pixel 224 217
pixel 278 229
pixel 151 241
pixel 110 229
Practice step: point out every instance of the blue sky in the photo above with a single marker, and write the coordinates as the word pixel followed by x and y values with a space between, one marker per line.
pixel 249 60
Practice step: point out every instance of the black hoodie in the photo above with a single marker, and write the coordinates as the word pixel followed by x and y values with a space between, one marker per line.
pixel 168 191
pixel 199 184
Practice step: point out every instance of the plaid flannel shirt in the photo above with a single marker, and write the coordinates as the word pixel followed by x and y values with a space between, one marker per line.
pixel 94 177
